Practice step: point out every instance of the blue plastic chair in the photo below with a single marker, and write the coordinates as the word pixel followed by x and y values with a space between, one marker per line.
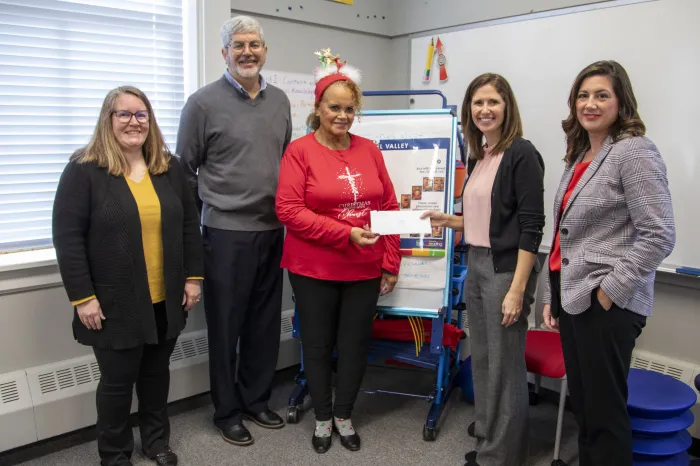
pixel 657 396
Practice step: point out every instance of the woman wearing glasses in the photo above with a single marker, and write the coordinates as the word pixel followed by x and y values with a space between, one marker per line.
pixel 128 244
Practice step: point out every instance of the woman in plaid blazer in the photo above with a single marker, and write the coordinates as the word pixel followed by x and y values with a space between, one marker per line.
pixel 613 227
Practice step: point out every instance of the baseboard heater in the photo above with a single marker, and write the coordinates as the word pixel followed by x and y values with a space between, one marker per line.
pixel 45 401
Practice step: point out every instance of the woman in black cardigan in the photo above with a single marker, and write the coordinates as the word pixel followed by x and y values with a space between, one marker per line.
pixel 128 244
pixel 503 218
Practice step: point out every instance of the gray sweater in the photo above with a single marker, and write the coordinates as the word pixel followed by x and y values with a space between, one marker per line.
pixel 230 147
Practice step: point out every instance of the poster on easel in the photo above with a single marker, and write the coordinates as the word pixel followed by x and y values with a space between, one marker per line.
pixel 417 153
pixel 417 168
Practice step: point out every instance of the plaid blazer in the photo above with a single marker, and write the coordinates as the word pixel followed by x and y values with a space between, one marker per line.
pixel 617 227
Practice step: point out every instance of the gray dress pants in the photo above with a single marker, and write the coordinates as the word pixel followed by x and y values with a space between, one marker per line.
pixel 498 363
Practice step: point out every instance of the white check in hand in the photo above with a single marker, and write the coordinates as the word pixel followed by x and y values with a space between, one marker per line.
pixel 399 222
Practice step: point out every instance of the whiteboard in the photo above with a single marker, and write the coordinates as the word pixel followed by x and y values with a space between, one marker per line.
pixel 422 280
pixel 658 43
pixel 299 88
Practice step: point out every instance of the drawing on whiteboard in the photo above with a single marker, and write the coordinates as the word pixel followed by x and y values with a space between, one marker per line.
pixel 300 89
pixel 422 273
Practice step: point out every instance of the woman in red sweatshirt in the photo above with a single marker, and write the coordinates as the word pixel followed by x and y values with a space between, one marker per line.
pixel 329 182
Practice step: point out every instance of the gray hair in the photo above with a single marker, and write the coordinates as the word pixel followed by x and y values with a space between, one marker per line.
pixel 240 25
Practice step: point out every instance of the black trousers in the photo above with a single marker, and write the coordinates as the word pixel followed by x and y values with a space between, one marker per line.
pixel 597 347
pixel 147 366
pixel 243 305
pixel 334 315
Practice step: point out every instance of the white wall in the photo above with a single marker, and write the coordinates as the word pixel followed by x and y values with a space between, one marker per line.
pixel 411 16
pixel 368 16
pixel 292 45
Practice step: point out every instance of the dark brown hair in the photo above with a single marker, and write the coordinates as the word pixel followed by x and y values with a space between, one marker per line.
pixel 512 125
pixel 314 122
pixel 104 149
pixel 628 123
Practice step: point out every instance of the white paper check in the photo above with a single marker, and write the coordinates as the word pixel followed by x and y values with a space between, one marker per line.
pixel 399 222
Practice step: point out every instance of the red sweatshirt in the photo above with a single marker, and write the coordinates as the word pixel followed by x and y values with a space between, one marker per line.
pixel 322 194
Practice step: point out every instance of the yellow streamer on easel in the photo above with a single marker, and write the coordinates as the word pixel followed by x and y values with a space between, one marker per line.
pixel 415 333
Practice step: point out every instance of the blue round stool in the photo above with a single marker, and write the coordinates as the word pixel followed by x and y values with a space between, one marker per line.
pixel 657 396
pixel 662 446
pixel 659 408
pixel 681 459
pixel 654 427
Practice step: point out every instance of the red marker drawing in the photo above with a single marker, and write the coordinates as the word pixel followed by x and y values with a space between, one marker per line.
pixel 442 61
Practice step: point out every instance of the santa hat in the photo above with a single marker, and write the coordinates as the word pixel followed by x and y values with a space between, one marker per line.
pixel 332 70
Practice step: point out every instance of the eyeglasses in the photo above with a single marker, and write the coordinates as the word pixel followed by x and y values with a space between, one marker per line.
pixel 254 46
pixel 124 116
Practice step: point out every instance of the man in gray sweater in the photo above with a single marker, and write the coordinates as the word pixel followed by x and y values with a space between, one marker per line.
pixel 232 135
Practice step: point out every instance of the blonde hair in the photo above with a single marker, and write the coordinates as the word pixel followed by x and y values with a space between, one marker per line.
pixel 313 121
pixel 104 149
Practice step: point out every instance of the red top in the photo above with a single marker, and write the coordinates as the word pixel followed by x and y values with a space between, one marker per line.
pixel 555 255
pixel 322 194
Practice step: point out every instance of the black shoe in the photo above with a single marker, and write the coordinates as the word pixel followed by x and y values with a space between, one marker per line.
pixel 351 442
pixel 321 444
pixel 471 430
pixel 165 458
pixel 267 419
pixel 470 457
pixel 237 434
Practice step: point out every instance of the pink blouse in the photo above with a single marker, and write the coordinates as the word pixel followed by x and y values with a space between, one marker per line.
pixel 477 200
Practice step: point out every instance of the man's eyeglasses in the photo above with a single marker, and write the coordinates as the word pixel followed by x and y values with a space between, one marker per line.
pixel 254 46
pixel 124 116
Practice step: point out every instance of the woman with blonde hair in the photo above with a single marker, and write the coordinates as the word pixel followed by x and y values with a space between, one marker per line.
pixel 129 251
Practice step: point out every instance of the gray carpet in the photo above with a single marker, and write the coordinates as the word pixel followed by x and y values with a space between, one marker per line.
pixel 390 427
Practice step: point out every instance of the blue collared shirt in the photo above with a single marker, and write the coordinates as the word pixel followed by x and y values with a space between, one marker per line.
pixel 229 77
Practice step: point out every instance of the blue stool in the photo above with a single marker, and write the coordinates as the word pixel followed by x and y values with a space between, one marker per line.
pixel 681 459
pixel 657 396
pixel 655 427
pixel 659 408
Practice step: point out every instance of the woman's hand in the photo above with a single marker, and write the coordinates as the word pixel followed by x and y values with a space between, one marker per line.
pixel 387 284
pixel 437 219
pixel 90 314
pixel 193 294
pixel 604 300
pixel 363 236
pixel 512 307
pixel 550 322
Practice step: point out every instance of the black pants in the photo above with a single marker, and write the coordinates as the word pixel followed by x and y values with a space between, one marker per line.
pixel 148 367
pixel 334 315
pixel 243 305
pixel 597 347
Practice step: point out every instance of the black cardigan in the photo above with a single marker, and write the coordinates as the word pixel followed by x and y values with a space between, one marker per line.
pixel 97 236
pixel 517 204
